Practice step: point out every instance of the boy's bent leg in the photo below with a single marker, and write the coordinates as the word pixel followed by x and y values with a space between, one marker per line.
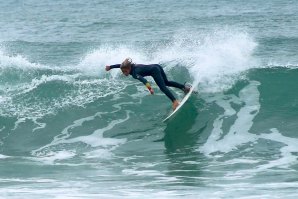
pixel 161 84
pixel 170 83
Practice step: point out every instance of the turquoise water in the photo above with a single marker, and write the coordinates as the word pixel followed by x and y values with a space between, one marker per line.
pixel 69 129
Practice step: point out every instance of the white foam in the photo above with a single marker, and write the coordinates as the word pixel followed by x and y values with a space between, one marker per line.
pixel 25 88
pixel 239 132
pixel 16 61
pixel 94 63
pixel 223 55
pixel 21 62
pixel 62 137
pixel 99 153
pixel 3 99
pixel 214 59
pixel 3 156
pixel 84 92
pixel 30 180
pixel 96 138
pixel 287 65
pixel 51 157
pixel 142 172
pixel 240 161
pixel 209 57
pixel 283 161
pixel 287 158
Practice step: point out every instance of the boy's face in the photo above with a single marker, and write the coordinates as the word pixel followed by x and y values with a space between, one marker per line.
pixel 125 71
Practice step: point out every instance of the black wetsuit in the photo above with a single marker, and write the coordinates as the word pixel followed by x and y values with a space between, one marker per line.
pixel 139 71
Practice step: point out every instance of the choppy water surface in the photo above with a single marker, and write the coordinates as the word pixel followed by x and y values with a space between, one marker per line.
pixel 69 129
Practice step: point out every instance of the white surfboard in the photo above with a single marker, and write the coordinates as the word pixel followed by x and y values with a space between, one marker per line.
pixel 186 97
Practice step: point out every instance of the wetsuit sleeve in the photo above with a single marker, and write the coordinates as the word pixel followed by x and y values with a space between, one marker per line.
pixel 142 79
pixel 115 66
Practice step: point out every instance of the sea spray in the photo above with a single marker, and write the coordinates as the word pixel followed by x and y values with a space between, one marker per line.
pixel 213 59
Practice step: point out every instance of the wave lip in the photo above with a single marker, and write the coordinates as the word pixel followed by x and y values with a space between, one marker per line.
pixel 214 59
pixel 222 58
pixel 17 61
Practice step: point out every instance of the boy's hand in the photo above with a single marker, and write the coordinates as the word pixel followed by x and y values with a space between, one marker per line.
pixel 108 68
pixel 149 88
pixel 151 91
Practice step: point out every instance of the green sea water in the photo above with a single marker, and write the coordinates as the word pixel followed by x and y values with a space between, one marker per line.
pixel 69 129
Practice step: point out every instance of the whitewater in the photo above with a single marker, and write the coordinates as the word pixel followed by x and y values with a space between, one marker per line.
pixel 69 129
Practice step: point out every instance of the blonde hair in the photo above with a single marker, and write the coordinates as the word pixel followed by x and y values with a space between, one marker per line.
pixel 126 63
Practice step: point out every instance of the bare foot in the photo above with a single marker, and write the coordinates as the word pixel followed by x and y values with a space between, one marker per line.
pixel 175 104
pixel 186 89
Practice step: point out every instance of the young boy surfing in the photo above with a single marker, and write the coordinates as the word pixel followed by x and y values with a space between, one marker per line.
pixel 139 71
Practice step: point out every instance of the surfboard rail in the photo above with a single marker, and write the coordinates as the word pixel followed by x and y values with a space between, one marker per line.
pixel 186 97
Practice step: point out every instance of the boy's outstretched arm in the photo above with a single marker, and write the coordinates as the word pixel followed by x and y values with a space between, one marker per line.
pixel 112 66
pixel 146 83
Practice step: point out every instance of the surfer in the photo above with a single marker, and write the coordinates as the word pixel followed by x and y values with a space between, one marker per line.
pixel 139 71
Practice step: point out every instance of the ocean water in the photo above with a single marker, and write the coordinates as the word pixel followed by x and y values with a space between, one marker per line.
pixel 69 129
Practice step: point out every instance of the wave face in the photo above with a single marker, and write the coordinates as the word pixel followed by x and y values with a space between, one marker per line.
pixel 70 129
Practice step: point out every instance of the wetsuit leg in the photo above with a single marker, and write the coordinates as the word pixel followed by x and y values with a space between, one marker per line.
pixel 158 78
pixel 170 83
